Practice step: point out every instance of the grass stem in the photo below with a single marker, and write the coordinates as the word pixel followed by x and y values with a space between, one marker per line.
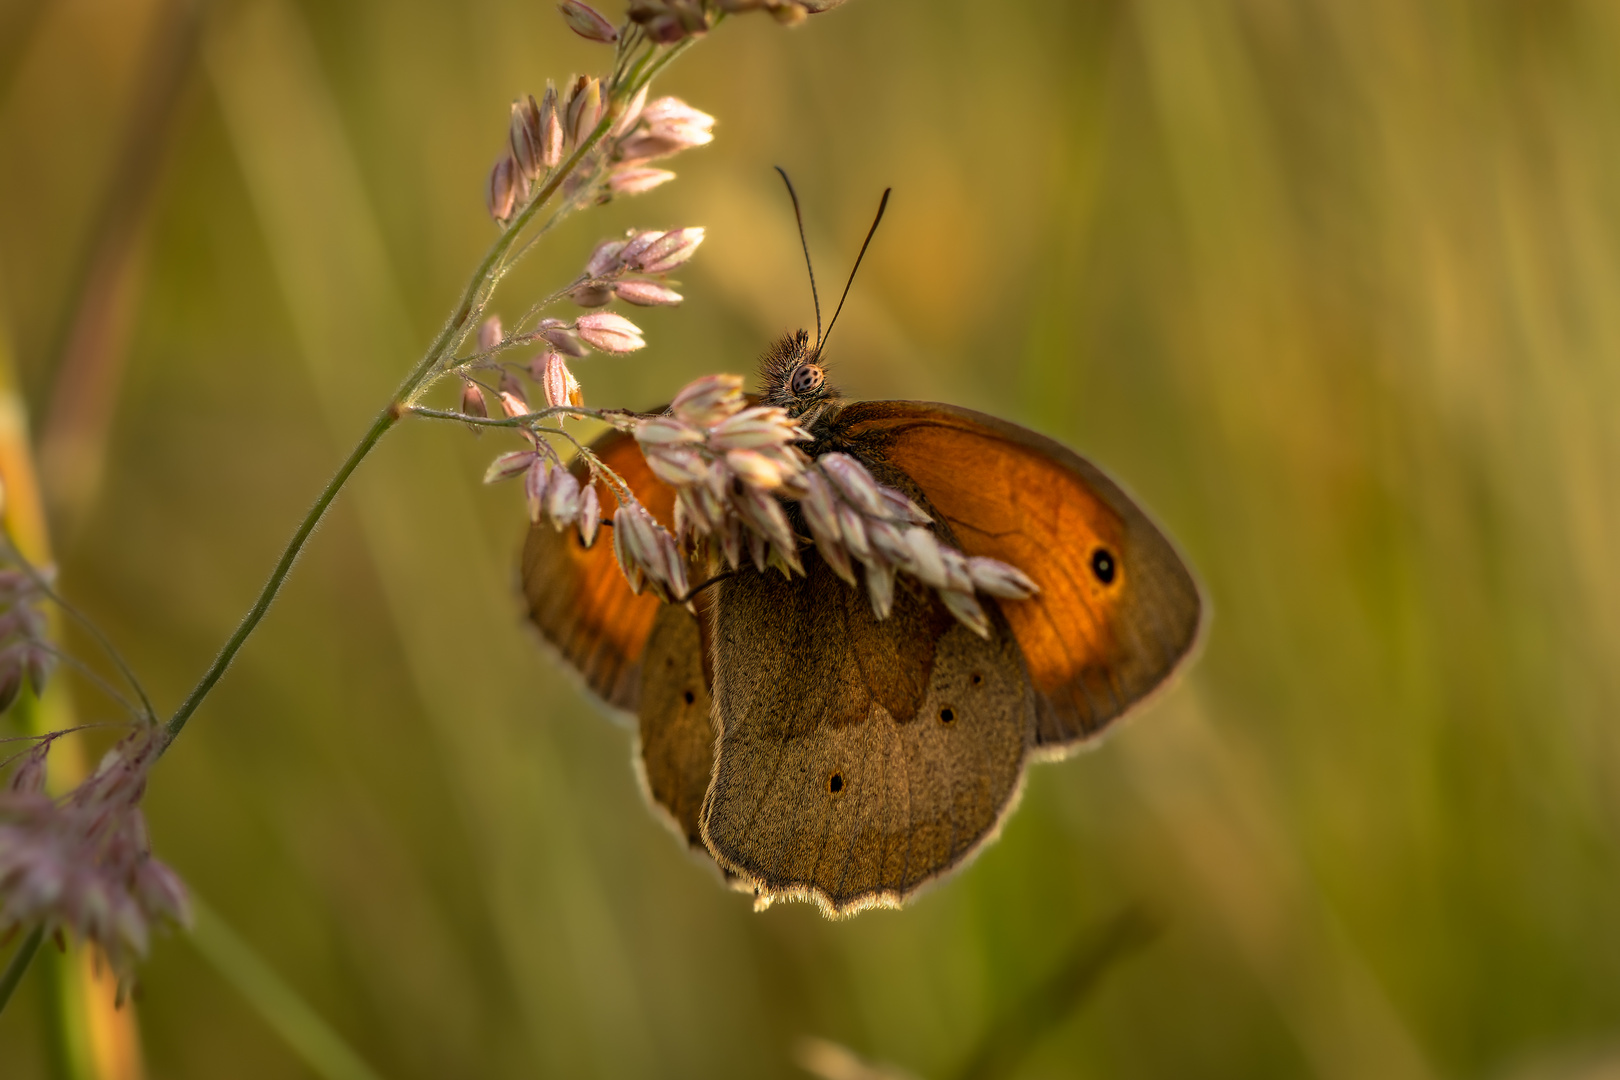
pixel 19 964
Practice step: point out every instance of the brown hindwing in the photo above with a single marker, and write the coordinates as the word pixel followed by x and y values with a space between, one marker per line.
pixel 676 746
pixel 858 759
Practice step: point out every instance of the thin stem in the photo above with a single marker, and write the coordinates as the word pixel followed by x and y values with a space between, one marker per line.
pixel 607 416
pixel 527 422
pixel 578 201
pixel 483 358
pixel 92 629
pixel 642 78
pixel 19 964
pixel 628 44
pixel 521 336
pixel 471 304
pixel 540 305
pixel 52 736
pixel 289 555
pixel 621 490
pixel 96 680
pixel 455 329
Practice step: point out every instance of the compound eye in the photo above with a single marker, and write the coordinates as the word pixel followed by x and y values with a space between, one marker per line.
pixel 806 379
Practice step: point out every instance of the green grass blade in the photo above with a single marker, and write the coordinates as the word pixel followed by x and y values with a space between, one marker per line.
pixel 311 1038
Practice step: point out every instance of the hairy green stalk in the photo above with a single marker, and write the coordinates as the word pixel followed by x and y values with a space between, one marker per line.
pixel 473 298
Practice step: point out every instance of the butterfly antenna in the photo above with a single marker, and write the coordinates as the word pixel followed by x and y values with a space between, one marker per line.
pixel 797 216
pixel 882 206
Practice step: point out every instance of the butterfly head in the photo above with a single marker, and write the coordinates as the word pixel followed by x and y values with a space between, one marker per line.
pixel 792 374
pixel 793 377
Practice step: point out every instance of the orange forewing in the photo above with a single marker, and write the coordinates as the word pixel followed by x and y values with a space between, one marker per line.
pixel 580 600
pixel 1093 648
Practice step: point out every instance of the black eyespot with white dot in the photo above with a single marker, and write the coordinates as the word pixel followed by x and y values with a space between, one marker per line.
pixel 806 379
pixel 1104 566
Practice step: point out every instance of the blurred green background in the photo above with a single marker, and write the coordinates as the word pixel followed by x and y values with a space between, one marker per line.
pixel 1332 285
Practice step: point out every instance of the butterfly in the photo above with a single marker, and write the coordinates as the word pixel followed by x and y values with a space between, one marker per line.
pixel 815 750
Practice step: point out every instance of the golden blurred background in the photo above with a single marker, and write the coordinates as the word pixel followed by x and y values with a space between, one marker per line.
pixel 1332 285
